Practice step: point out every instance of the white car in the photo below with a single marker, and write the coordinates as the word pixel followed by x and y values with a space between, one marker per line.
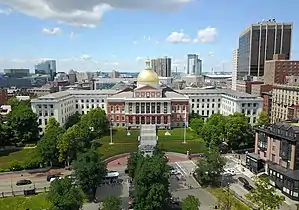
pixel 230 171
pixel 55 178
pixel 175 172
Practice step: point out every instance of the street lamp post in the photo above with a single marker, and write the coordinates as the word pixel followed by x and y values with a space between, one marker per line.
pixel 185 126
pixel 228 197
pixel 111 133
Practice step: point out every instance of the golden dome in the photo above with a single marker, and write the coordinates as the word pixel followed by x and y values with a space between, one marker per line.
pixel 148 75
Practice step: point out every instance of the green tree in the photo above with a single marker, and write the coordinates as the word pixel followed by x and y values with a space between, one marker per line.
pixel 90 170
pixel 238 131
pixel 5 134
pixel 214 129
pixel 210 168
pixel 264 195
pixel 65 196
pixel 263 118
pixel 132 163
pixel 95 119
pixel 190 203
pixel 48 145
pixel 193 115
pixel 111 203
pixel 71 142
pixel 151 183
pixel 23 123
pixel 72 120
pixel 224 201
pixel 14 102
pixel 197 125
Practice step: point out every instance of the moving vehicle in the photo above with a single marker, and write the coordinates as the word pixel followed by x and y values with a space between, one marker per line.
pixel 248 187
pixel 23 182
pixel 243 180
pixel 111 176
pixel 49 177
pixel 55 178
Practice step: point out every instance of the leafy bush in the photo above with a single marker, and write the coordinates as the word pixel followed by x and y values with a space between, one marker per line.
pixel 15 165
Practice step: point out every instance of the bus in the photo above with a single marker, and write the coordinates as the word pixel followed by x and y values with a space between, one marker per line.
pixel 111 176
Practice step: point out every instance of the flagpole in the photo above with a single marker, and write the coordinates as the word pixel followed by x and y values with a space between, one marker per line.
pixel 111 133
pixel 185 126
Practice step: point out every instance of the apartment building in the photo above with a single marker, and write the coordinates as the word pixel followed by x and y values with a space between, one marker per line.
pixel 285 98
pixel 276 151
pixel 281 71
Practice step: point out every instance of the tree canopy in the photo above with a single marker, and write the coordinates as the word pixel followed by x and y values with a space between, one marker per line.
pixel 5 134
pixel 197 125
pixel 90 170
pixel 151 183
pixel 111 203
pixel 65 196
pixel 132 163
pixel 96 120
pixel 210 168
pixel 264 195
pixel 263 118
pixel 23 122
pixel 72 120
pixel 190 203
pixel 48 145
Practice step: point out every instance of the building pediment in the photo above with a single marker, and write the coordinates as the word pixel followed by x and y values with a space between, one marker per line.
pixel 147 87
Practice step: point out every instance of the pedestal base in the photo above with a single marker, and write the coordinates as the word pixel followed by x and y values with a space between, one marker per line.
pixel 184 142
pixel 111 143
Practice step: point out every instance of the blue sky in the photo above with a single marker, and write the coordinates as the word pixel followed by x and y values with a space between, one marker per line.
pixel 120 36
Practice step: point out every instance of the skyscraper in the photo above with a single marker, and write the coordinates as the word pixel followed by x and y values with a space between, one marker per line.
pixel 194 65
pixel 162 66
pixel 235 69
pixel 259 42
pixel 46 67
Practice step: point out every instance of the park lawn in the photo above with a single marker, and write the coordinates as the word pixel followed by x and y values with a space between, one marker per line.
pixel 236 203
pixel 106 150
pixel 176 134
pixel 120 135
pixel 193 146
pixel 8 155
pixel 35 202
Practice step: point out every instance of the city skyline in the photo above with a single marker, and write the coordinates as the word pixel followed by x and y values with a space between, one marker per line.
pixel 124 35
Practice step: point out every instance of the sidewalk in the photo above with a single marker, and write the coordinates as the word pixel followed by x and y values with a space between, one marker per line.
pixel 291 204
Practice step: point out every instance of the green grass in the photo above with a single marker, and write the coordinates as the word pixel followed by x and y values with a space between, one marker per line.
pixel 107 150
pixel 236 203
pixel 177 134
pixel 7 156
pixel 193 146
pixel 36 202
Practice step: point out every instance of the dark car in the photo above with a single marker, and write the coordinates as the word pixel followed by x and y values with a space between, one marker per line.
pixel 248 187
pixel 49 177
pixel 243 180
pixel 23 182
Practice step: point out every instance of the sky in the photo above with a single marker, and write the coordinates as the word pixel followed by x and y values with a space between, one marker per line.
pixel 107 35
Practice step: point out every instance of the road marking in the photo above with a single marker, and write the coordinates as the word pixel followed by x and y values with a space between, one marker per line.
pixel 181 168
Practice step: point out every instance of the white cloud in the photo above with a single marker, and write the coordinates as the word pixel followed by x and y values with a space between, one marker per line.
pixel 53 31
pixel 72 35
pixel 211 54
pixel 85 57
pixel 178 37
pixel 206 35
pixel 5 11
pixel 86 13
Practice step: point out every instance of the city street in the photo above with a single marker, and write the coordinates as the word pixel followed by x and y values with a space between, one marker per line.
pixel 238 188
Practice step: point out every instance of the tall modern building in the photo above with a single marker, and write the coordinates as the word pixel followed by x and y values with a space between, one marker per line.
pixel 194 65
pixel 259 42
pixel 46 67
pixel 235 69
pixel 162 66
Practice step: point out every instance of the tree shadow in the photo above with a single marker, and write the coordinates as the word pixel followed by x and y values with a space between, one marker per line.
pixel 6 152
pixel 176 183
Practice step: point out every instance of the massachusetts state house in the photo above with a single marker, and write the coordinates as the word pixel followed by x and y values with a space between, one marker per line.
pixel 148 102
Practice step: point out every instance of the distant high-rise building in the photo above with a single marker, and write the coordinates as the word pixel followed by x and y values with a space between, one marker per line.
pixel 162 66
pixel 235 69
pixel 194 65
pixel 259 42
pixel 46 67
pixel 17 73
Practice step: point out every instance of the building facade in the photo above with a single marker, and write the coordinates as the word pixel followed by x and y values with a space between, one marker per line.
pixel 276 151
pixel 46 67
pixel 259 42
pixel 284 100
pixel 194 65
pixel 235 69
pixel 17 73
pixel 147 102
pixel 162 66
pixel 281 71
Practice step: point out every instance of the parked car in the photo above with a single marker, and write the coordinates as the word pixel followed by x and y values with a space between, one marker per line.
pixel 55 178
pixel 23 182
pixel 49 177
pixel 243 180
pixel 248 187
